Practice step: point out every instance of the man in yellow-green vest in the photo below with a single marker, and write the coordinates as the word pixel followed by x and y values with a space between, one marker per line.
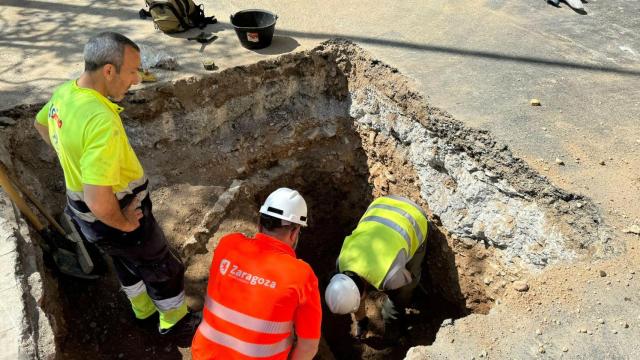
pixel 107 189
pixel 384 253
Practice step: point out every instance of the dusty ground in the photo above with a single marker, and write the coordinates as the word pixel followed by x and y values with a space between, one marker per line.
pixel 587 310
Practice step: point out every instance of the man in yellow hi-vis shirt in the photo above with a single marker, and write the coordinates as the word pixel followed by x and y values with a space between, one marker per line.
pixel 107 190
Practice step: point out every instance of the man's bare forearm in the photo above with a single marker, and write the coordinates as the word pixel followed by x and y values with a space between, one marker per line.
pixel 305 349
pixel 104 205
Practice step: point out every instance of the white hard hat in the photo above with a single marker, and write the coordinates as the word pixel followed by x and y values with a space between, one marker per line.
pixel 286 204
pixel 342 295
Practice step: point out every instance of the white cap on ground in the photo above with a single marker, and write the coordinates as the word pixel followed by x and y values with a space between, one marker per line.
pixel 286 204
pixel 342 295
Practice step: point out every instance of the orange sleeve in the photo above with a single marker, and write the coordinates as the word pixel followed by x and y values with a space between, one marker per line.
pixel 308 317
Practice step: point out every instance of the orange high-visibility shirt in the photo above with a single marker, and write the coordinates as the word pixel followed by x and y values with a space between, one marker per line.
pixel 258 294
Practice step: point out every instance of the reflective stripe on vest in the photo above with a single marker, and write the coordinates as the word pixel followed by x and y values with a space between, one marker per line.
pixel 243 347
pixel 408 216
pixel 246 321
pixel 405 200
pixel 406 224
pixel 391 224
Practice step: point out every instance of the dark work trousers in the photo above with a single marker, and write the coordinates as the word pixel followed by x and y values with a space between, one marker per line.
pixel 142 254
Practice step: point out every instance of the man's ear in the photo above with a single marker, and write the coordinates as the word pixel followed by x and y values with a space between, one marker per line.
pixel 294 233
pixel 109 71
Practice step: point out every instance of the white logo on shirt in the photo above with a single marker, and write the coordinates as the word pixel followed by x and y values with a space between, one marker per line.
pixel 244 276
pixel 224 266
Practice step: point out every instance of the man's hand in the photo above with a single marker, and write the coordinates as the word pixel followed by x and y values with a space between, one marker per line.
pixel 104 205
pixel 133 214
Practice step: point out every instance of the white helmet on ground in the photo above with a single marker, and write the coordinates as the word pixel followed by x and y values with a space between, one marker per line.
pixel 342 295
pixel 286 204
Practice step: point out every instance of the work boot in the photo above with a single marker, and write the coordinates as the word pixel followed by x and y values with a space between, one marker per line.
pixel 185 328
pixel 148 324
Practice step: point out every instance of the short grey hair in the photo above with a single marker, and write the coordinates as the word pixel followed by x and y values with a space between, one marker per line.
pixel 106 48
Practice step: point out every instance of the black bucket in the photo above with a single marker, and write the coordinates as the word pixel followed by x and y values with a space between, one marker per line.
pixel 254 27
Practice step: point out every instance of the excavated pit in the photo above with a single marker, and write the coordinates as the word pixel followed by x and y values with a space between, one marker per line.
pixel 342 128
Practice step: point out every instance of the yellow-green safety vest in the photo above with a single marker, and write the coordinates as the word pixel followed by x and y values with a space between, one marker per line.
pixel 390 224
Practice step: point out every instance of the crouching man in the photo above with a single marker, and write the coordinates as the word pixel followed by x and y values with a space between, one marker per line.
pixel 383 253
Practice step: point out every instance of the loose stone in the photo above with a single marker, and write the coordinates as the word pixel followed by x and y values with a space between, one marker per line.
pixel 521 286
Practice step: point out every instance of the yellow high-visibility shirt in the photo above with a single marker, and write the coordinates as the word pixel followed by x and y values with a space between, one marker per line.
pixel 87 133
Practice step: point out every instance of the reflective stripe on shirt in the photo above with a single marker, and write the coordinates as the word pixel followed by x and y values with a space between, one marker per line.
pixel 247 321
pixel 244 347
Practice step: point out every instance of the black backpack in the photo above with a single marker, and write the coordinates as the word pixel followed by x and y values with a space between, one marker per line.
pixel 172 16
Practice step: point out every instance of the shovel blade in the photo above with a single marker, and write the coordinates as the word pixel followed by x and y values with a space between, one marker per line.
pixel 67 263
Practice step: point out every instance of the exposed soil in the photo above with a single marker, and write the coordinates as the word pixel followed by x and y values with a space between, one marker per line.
pixel 215 147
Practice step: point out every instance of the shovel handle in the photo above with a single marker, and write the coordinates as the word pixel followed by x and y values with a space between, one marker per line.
pixel 18 200
pixel 33 199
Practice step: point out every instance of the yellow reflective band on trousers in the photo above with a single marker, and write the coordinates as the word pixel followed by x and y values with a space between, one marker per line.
pixel 142 305
pixel 390 224
pixel 168 318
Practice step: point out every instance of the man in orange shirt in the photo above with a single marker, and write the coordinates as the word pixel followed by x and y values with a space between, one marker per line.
pixel 262 302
